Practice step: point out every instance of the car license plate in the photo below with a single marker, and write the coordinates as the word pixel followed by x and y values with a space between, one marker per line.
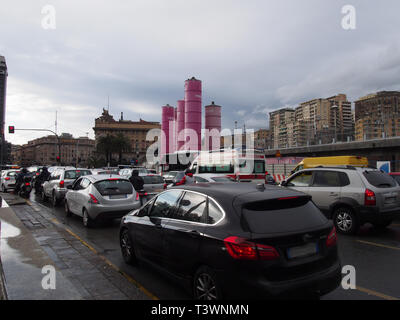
pixel 118 196
pixel 302 251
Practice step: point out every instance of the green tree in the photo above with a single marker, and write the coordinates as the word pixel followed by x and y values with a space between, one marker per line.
pixel 105 146
pixel 121 145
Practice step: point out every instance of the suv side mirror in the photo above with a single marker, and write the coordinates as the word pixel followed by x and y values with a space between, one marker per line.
pixel 284 183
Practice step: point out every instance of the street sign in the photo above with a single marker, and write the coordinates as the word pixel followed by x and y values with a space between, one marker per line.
pixel 11 129
pixel 383 165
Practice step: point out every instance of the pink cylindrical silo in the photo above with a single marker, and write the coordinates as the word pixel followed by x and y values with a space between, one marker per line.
pixel 213 125
pixel 193 114
pixel 167 118
pixel 180 123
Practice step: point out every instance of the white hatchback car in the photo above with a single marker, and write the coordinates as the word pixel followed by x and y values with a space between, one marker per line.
pixel 7 180
pixel 100 197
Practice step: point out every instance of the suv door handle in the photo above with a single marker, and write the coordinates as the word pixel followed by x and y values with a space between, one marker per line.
pixel 334 194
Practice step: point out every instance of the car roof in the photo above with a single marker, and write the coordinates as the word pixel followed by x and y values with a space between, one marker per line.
pixel 246 191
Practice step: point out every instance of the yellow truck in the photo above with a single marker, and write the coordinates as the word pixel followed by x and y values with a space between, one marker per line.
pixel 354 161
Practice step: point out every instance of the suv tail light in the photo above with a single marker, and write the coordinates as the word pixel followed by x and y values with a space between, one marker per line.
pixel 61 184
pixel 27 184
pixel 332 238
pixel 7 178
pixel 370 198
pixel 93 199
pixel 242 249
pixel 137 196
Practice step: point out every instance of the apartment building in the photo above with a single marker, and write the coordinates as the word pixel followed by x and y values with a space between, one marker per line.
pixel 45 150
pixel 281 127
pixel 377 115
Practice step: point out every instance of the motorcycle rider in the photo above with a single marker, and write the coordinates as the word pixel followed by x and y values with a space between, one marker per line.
pixel 42 177
pixel 20 179
pixel 137 183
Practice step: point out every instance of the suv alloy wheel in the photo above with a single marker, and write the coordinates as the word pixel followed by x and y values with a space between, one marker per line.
pixel 345 220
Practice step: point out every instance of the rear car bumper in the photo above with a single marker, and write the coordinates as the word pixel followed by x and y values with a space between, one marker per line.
pixel 99 211
pixel 375 214
pixel 258 287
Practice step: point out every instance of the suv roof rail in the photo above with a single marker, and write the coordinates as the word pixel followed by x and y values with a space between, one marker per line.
pixel 337 167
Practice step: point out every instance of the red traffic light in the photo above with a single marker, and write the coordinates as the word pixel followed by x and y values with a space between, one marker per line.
pixel 11 129
pixel 58 158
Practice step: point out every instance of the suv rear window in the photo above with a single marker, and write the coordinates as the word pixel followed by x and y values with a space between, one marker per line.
pixel 114 187
pixel 74 174
pixel 153 180
pixel 285 214
pixel 379 179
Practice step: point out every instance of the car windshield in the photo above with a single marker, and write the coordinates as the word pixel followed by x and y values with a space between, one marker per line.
pixel 379 179
pixel 296 213
pixel 74 174
pixel 114 187
pixel 397 178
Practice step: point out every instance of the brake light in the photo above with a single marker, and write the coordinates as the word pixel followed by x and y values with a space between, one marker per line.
pixel 137 196
pixel 332 238
pixel 27 184
pixel 7 178
pixel 113 179
pixel 242 249
pixel 165 186
pixel 61 184
pixel 370 199
pixel 93 199
pixel 287 198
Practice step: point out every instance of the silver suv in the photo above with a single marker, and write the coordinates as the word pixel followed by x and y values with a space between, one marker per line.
pixel 55 187
pixel 350 196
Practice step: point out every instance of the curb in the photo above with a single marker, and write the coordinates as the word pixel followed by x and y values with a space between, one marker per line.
pixel 3 292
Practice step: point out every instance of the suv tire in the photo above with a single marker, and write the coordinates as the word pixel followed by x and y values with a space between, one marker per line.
pixel 345 220
pixel 382 224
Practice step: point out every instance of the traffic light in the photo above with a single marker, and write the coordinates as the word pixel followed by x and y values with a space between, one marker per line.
pixel 58 158
pixel 11 129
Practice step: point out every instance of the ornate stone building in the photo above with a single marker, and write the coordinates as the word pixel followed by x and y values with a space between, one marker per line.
pixel 135 131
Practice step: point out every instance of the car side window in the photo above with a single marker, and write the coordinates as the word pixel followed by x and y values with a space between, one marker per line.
pixel 326 179
pixel 165 204
pixel 192 207
pixel 76 185
pixel 214 212
pixel 84 183
pixel 301 180
pixel 144 211
pixel 198 179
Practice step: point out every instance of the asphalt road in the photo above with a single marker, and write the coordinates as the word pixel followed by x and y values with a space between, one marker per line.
pixel 375 254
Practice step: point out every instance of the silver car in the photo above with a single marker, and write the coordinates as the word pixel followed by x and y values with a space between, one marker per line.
pixel 350 196
pixel 55 187
pixel 96 197
pixel 7 180
pixel 153 184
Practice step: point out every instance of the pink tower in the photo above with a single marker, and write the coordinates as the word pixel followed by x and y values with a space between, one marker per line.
pixel 193 113
pixel 213 125
pixel 168 117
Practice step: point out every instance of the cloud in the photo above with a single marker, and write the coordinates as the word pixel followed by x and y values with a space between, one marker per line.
pixel 253 57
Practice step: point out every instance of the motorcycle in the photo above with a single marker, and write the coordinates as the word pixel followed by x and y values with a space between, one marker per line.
pixel 25 187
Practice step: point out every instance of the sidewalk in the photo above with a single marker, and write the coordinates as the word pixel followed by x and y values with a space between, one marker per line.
pixel 30 240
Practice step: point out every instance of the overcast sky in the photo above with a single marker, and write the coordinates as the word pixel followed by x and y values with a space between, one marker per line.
pixel 252 56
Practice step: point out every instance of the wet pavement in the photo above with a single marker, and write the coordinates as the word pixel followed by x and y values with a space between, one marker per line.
pixel 31 240
pixel 375 254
